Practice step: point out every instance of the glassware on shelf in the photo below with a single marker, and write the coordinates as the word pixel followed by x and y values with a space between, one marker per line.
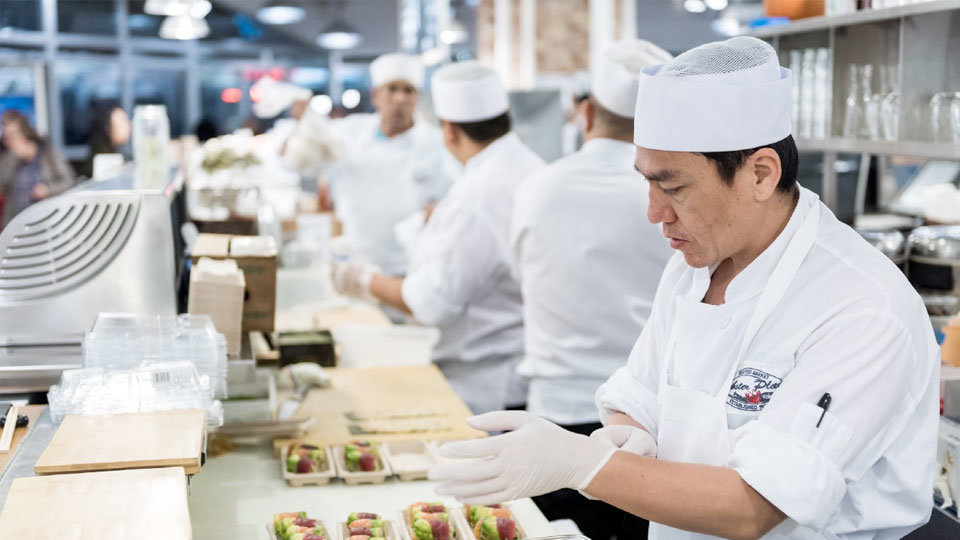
pixel 941 105
pixel 853 107
pixel 796 70
pixel 871 105
pixel 890 106
pixel 821 93
pixel 955 118
pixel 807 92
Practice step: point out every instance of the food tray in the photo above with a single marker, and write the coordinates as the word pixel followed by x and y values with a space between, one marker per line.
pixel 409 460
pixel 465 522
pixel 272 533
pixel 456 521
pixel 354 478
pixel 308 479
pixel 388 525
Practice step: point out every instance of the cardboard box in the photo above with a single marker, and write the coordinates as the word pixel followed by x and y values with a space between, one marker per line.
pixel 257 257
pixel 216 289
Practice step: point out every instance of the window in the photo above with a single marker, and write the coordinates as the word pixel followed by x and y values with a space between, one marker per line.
pixel 163 87
pixel 86 81
pixel 87 17
pixel 21 14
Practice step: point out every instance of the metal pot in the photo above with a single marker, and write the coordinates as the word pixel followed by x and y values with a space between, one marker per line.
pixel 934 266
pixel 891 243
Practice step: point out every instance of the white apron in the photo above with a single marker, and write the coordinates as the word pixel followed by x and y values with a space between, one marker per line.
pixel 693 424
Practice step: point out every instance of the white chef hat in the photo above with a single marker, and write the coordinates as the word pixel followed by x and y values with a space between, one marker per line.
pixel 615 79
pixel 396 67
pixel 468 92
pixel 723 96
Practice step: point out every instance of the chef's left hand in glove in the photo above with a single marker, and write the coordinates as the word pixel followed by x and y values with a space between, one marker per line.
pixel 534 458
pixel 352 278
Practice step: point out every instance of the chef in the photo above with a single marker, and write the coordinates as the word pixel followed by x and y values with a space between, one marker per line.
pixel 459 277
pixel 388 165
pixel 786 384
pixel 589 263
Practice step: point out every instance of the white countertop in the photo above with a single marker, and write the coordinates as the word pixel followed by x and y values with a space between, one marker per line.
pixel 236 495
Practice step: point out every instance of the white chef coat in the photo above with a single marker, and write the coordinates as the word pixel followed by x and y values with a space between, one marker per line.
pixel 850 325
pixel 381 180
pixel 589 262
pixel 459 277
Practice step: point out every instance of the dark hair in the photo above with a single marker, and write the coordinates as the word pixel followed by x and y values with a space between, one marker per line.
pixel 486 130
pixel 610 122
pixel 100 123
pixel 17 117
pixel 728 163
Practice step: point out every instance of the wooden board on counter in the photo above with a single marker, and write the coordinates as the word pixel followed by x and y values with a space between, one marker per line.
pixel 384 404
pixel 33 412
pixel 103 442
pixel 146 504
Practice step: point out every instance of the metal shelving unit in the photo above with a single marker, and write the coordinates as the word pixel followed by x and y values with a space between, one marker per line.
pixel 919 39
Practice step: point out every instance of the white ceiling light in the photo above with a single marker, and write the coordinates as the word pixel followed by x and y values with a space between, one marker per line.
pixel 170 8
pixel 717 5
pixel 454 33
pixel 339 35
pixel 725 26
pixel 434 56
pixel 694 6
pixel 322 104
pixel 350 98
pixel 200 9
pixel 184 27
pixel 279 12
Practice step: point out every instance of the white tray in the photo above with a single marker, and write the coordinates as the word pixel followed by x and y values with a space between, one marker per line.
pixel 391 452
pixel 308 479
pixel 352 478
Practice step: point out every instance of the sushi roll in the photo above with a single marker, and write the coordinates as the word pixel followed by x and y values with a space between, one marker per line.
pixel 362 456
pixel 306 458
pixel 476 513
pixel 495 528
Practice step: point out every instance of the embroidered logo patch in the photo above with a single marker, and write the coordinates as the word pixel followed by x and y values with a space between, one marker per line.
pixel 752 389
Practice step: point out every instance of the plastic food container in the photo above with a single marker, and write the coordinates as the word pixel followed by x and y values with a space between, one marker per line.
pixel 352 478
pixel 321 478
pixel 409 460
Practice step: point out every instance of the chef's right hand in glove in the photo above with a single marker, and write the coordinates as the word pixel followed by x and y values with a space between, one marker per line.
pixel 628 438
pixel 535 457
pixel 352 278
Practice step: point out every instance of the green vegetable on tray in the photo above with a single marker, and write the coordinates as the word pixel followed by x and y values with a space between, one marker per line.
pixel 297 526
pixel 306 458
pixel 366 526
pixel 362 456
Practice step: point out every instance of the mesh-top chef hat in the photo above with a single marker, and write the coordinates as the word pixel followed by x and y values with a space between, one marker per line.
pixel 722 96
pixel 396 67
pixel 467 92
pixel 615 78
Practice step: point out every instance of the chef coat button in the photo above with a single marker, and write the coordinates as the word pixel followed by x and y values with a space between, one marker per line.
pixel 725 323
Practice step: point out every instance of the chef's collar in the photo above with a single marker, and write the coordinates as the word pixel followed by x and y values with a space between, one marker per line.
pixel 611 146
pixel 490 152
pixel 751 281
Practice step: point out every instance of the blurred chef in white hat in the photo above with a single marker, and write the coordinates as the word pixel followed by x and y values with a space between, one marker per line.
pixel 589 263
pixel 459 278
pixel 786 383
pixel 379 168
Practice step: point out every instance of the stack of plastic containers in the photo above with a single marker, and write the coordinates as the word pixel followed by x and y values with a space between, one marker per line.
pixel 158 386
pixel 123 341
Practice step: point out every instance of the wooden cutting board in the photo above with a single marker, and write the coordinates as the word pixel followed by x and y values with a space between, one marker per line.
pixel 397 403
pixel 146 504
pixel 104 442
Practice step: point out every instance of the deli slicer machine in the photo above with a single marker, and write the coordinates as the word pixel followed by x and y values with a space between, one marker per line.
pixel 68 258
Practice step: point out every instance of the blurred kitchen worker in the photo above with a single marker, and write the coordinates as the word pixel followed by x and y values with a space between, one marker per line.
pixel 30 169
pixel 589 263
pixel 787 380
pixel 459 278
pixel 388 165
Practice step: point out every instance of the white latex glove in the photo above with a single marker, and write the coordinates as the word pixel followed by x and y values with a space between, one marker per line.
pixel 534 458
pixel 352 278
pixel 628 438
